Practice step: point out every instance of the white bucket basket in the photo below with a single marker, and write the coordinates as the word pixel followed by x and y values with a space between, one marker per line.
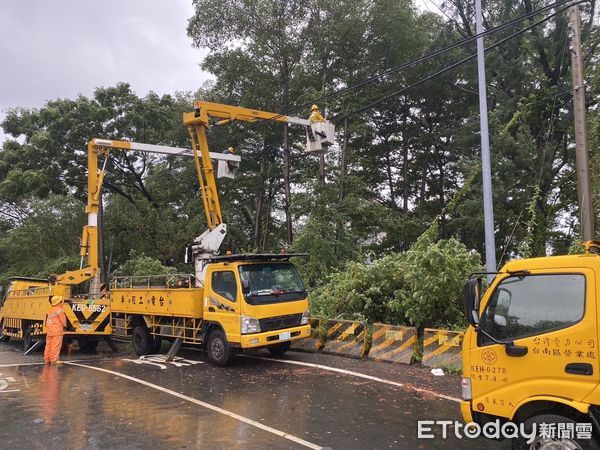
pixel 227 169
pixel 319 136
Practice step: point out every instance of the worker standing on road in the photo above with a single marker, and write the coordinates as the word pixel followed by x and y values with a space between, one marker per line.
pixel 55 330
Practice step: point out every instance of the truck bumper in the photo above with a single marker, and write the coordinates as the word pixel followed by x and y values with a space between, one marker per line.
pixel 465 410
pixel 273 337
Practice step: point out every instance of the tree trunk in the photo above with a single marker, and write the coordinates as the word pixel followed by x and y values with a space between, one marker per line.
pixel 322 168
pixel 344 161
pixel 422 193
pixel 388 163
pixel 286 182
pixel 405 172
pixel 260 196
pixel 268 215
pixel 443 220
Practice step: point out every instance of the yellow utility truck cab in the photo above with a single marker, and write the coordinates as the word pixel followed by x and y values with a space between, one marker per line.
pixel 26 304
pixel 530 354
pixel 244 301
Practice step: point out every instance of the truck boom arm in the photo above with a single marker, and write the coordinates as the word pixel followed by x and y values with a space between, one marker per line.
pixel 205 115
pixel 89 237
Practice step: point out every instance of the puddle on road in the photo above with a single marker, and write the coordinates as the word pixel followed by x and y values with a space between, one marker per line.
pixel 70 407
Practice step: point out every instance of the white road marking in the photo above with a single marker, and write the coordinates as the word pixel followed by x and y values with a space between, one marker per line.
pixel 357 374
pixel 10 390
pixel 205 405
pixel 161 362
pixel 42 362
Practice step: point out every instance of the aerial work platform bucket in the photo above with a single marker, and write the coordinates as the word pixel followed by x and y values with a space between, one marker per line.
pixel 319 136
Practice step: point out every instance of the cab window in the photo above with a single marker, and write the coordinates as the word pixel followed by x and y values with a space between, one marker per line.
pixel 524 306
pixel 224 284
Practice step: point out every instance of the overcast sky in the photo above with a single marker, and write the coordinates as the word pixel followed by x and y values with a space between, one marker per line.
pixel 62 48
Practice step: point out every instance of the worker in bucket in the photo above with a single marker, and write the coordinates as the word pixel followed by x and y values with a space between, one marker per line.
pixel 55 330
pixel 315 115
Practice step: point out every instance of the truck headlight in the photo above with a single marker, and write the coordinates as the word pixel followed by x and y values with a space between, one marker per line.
pixel 465 384
pixel 250 325
pixel 305 317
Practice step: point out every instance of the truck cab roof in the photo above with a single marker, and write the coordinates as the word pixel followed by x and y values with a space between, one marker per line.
pixel 552 262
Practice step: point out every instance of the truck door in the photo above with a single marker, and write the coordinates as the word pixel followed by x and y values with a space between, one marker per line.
pixel 551 314
pixel 221 302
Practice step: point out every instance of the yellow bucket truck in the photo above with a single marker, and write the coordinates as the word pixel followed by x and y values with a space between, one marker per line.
pixel 530 354
pixel 230 302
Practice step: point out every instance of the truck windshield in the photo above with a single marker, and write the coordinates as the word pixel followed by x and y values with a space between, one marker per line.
pixel 524 306
pixel 271 283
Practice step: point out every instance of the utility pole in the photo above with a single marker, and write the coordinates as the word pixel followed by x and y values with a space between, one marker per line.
pixel 584 191
pixel 488 203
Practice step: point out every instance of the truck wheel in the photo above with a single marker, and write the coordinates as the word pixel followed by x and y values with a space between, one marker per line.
pixel 87 343
pixel 218 349
pixel 542 442
pixel 142 341
pixel 157 344
pixel 28 340
pixel 279 349
pixel 3 337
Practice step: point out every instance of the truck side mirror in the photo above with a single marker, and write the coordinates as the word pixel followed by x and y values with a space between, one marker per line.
pixel 472 298
pixel 500 320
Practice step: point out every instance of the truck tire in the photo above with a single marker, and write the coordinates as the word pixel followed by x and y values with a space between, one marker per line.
pixel 157 344
pixel 87 343
pixel 142 341
pixel 279 349
pixel 3 337
pixel 545 442
pixel 218 349
pixel 27 339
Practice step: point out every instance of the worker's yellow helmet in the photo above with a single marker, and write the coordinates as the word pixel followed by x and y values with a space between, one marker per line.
pixel 231 150
pixel 314 108
pixel 56 299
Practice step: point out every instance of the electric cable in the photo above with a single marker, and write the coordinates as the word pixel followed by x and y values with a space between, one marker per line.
pixel 458 63
pixel 411 63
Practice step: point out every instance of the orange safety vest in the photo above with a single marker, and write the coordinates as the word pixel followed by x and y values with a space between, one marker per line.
pixel 56 321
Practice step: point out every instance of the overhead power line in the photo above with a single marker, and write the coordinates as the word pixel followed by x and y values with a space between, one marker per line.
pixel 413 62
pixel 458 63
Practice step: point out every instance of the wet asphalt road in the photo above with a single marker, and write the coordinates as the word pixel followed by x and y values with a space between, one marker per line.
pixel 116 401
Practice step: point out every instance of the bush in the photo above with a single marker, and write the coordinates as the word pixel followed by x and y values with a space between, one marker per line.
pixel 140 264
pixel 420 287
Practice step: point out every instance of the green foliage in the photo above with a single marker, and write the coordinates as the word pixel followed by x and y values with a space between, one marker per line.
pixel 140 264
pixel 411 163
pixel 421 287
pixel 435 274
pixel 45 241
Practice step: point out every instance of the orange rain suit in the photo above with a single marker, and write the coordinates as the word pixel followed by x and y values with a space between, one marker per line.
pixel 55 330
